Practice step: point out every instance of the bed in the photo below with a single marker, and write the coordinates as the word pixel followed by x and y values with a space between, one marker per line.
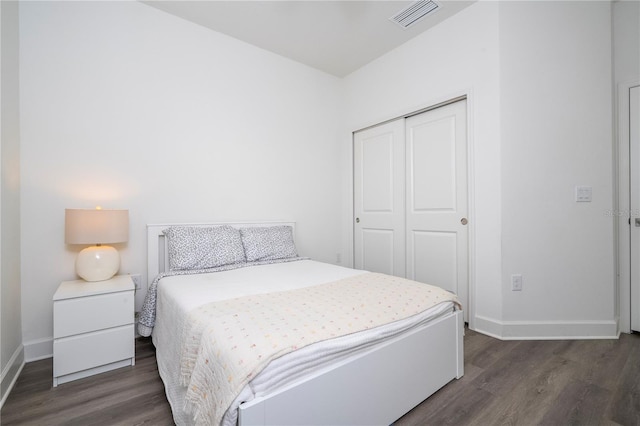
pixel 372 376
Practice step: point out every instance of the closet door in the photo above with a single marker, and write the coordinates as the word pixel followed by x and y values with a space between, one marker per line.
pixel 436 192
pixel 634 149
pixel 379 228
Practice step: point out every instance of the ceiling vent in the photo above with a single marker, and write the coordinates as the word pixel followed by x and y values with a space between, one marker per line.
pixel 414 12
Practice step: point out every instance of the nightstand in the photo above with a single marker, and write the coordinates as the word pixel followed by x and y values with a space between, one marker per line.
pixel 93 328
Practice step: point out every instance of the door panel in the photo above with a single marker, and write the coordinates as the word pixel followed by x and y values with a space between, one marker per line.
pixel 634 149
pixel 378 250
pixel 436 176
pixel 377 173
pixel 438 263
pixel 379 239
pixel 433 156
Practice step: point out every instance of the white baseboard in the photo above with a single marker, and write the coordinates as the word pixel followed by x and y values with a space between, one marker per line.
pixel 488 326
pixel 10 373
pixel 547 330
pixel 35 350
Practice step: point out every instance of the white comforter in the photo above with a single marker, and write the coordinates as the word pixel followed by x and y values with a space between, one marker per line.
pixel 179 295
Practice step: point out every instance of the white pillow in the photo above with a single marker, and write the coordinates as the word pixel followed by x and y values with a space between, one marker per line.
pixel 194 247
pixel 268 243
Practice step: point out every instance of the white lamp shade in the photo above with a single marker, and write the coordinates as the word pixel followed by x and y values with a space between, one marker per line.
pixel 96 226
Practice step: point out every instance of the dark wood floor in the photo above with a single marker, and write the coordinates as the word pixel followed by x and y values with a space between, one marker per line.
pixel 127 396
pixel 582 382
pixel 560 382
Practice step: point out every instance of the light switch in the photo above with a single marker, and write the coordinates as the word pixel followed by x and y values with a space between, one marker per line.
pixel 583 194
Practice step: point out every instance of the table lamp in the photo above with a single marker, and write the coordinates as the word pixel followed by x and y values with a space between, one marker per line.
pixel 98 226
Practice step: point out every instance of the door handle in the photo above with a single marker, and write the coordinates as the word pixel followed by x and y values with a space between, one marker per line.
pixel 358 220
pixel 464 221
pixel 637 222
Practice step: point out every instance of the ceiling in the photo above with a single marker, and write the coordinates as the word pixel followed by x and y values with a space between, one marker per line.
pixel 337 37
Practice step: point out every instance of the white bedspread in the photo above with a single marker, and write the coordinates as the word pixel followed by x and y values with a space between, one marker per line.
pixel 177 296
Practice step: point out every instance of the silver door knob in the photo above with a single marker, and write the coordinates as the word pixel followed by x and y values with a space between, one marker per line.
pixel 464 221
pixel 637 221
pixel 357 220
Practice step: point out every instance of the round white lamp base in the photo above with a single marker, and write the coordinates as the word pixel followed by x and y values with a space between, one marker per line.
pixel 97 263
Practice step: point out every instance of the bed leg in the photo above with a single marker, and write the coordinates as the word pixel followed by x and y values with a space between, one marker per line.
pixel 460 344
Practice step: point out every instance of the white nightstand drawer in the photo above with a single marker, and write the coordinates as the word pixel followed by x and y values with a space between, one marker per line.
pixel 77 353
pixel 84 314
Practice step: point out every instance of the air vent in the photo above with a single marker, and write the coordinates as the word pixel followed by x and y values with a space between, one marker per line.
pixel 414 12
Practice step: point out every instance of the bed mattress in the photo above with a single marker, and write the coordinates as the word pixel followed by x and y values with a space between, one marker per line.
pixel 178 295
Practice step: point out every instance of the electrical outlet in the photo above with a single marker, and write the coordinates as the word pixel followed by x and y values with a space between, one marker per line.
pixel 516 282
pixel 137 280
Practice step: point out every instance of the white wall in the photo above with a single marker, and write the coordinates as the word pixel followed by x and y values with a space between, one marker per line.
pixel 556 132
pixel 11 350
pixel 538 76
pixel 626 34
pixel 125 106
pixel 459 56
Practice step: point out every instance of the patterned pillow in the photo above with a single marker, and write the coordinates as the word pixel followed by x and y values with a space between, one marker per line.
pixel 193 247
pixel 268 243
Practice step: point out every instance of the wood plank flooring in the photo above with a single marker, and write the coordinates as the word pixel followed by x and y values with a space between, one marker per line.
pixel 579 382
pixel 560 382
pixel 127 396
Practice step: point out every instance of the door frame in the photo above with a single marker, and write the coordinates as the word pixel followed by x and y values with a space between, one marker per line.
pixel 436 103
pixel 622 213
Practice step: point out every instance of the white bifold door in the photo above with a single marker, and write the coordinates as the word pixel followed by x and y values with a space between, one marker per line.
pixel 379 199
pixel 634 149
pixel 410 198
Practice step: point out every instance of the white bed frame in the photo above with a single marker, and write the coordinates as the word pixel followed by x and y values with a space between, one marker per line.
pixel 375 387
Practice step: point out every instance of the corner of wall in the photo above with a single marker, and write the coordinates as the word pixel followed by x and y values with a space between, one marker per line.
pixel 12 353
pixel 37 349
pixel 10 374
